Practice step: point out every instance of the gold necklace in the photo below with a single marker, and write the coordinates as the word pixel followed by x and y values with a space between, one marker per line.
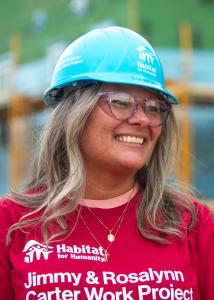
pixel 105 250
pixel 111 237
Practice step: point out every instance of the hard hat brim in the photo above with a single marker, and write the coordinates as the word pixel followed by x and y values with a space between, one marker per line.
pixel 52 99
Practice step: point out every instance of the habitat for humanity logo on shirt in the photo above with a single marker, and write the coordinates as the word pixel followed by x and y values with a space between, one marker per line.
pixel 35 251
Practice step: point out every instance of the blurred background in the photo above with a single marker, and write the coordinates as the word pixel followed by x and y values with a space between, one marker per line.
pixel 34 32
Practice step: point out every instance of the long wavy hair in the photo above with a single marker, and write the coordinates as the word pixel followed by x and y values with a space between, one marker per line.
pixel 58 174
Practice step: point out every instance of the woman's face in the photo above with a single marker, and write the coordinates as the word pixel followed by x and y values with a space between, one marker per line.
pixel 118 146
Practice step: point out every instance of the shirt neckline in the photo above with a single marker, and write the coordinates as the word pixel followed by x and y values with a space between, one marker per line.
pixel 112 202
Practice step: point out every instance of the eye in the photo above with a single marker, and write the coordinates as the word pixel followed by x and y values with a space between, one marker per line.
pixel 156 106
pixel 121 101
pixel 153 106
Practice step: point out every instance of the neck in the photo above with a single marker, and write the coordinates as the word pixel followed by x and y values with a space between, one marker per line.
pixel 103 186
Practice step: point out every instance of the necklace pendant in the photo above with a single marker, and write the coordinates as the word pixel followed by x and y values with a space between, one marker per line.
pixel 106 255
pixel 110 237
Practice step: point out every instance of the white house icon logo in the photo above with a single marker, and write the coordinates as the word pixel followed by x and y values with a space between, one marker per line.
pixel 147 61
pixel 34 251
pixel 145 55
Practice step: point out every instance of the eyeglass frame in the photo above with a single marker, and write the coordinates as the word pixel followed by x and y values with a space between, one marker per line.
pixel 137 100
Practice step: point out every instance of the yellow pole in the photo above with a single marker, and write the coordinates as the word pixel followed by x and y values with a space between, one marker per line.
pixel 15 48
pixel 186 51
pixel 18 110
pixel 19 138
pixel 133 13
pixel 186 163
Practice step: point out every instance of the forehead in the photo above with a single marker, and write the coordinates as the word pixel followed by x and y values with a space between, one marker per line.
pixel 127 88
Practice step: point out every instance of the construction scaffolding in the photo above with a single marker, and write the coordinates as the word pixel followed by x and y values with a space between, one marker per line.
pixel 18 109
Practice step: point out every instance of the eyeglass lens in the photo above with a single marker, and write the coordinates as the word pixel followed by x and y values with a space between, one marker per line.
pixel 123 106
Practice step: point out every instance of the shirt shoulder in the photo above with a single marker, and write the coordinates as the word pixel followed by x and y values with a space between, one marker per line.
pixel 10 212
pixel 204 215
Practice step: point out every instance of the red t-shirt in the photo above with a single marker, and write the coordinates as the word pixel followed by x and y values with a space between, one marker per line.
pixel 138 269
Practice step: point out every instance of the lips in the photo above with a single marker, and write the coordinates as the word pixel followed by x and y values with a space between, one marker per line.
pixel 130 139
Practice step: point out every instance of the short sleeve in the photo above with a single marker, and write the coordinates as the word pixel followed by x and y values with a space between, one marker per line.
pixel 6 289
pixel 204 233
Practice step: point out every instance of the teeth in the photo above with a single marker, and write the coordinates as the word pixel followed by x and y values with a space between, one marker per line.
pixel 130 139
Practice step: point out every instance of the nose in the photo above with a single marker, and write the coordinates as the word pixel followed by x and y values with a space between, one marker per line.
pixel 139 117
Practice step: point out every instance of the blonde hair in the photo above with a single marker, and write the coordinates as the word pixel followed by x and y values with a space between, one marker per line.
pixel 58 175
pixel 164 198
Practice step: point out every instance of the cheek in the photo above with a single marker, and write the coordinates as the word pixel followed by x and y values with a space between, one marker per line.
pixel 94 136
pixel 89 130
pixel 99 128
pixel 88 140
pixel 155 133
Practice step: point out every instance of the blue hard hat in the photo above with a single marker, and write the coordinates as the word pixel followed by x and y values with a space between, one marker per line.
pixel 113 54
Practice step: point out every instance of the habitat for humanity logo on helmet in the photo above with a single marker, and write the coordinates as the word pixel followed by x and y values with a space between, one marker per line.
pixel 35 251
pixel 68 58
pixel 147 61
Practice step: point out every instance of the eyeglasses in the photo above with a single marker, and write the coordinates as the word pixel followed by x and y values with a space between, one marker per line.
pixel 122 106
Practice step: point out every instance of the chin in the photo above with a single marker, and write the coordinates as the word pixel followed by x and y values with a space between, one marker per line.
pixel 132 167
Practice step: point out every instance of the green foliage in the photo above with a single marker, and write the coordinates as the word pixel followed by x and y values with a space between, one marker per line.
pixel 159 21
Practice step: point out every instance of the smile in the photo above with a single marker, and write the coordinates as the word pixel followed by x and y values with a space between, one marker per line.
pixel 130 139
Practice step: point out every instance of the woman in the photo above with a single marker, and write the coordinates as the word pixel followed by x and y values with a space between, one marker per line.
pixel 100 219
